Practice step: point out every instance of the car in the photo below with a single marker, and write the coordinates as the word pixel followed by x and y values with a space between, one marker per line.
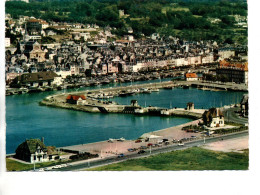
pixel 150 144
pixel 174 141
pixel 141 152
pixel 165 140
pixel 48 168
pixel 130 149
pixel 143 147
pixel 57 167
pixel 120 155
pixel 138 141
pixel 160 141
pixel 63 165
pixel 181 144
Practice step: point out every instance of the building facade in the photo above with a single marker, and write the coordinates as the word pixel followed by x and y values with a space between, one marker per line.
pixel 234 71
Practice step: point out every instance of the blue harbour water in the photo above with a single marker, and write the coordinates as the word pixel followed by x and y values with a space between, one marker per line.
pixel 61 127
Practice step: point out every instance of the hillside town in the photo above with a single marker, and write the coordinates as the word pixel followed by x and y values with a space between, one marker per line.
pixel 135 78
pixel 42 55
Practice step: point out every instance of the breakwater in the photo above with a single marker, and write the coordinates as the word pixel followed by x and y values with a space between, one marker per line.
pixel 98 101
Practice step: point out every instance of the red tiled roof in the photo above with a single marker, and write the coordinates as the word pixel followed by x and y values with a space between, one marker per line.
pixel 191 75
pixel 226 64
pixel 123 41
pixel 75 97
pixel 33 20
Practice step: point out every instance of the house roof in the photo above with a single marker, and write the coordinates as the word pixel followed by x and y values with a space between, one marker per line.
pixel 33 20
pixel 191 75
pixel 239 65
pixel 75 97
pixel 31 146
pixel 212 113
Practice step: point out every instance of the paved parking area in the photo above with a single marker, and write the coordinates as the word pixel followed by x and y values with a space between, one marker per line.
pixel 231 145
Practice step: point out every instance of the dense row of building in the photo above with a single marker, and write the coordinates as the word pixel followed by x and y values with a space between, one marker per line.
pixel 92 51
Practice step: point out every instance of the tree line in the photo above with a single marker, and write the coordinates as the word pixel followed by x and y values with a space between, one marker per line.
pixel 188 19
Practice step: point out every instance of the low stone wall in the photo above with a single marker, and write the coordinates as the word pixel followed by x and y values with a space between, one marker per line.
pixel 70 106
pixel 186 113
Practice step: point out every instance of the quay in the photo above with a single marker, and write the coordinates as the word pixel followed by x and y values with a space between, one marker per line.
pixel 97 100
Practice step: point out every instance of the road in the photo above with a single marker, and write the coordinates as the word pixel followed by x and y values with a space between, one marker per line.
pixel 231 116
pixel 106 161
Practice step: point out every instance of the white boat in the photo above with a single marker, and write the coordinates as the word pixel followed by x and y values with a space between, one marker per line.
pixel 155 90
pixel 139 111
pixel 165 112
pixel 121 139
pixel 111 140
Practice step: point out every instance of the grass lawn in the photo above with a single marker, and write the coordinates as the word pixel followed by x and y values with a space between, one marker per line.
pixel 13 165
pixel 189 159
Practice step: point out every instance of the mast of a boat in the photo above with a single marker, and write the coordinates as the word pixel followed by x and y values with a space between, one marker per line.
pixel 64 87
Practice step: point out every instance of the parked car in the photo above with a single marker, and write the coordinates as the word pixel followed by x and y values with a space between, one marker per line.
pixel 181 144
pixel 150 144
pixel 141 152
pixel 160 141
pixel 138 141
pixel 130 149
pixel 56 167
pixel 143 147
pixel 63 165
pixel 48 168
pixel 120 155
pixel 165 140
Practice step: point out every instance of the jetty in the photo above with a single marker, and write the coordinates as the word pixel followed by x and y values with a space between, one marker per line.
pixel 98 100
